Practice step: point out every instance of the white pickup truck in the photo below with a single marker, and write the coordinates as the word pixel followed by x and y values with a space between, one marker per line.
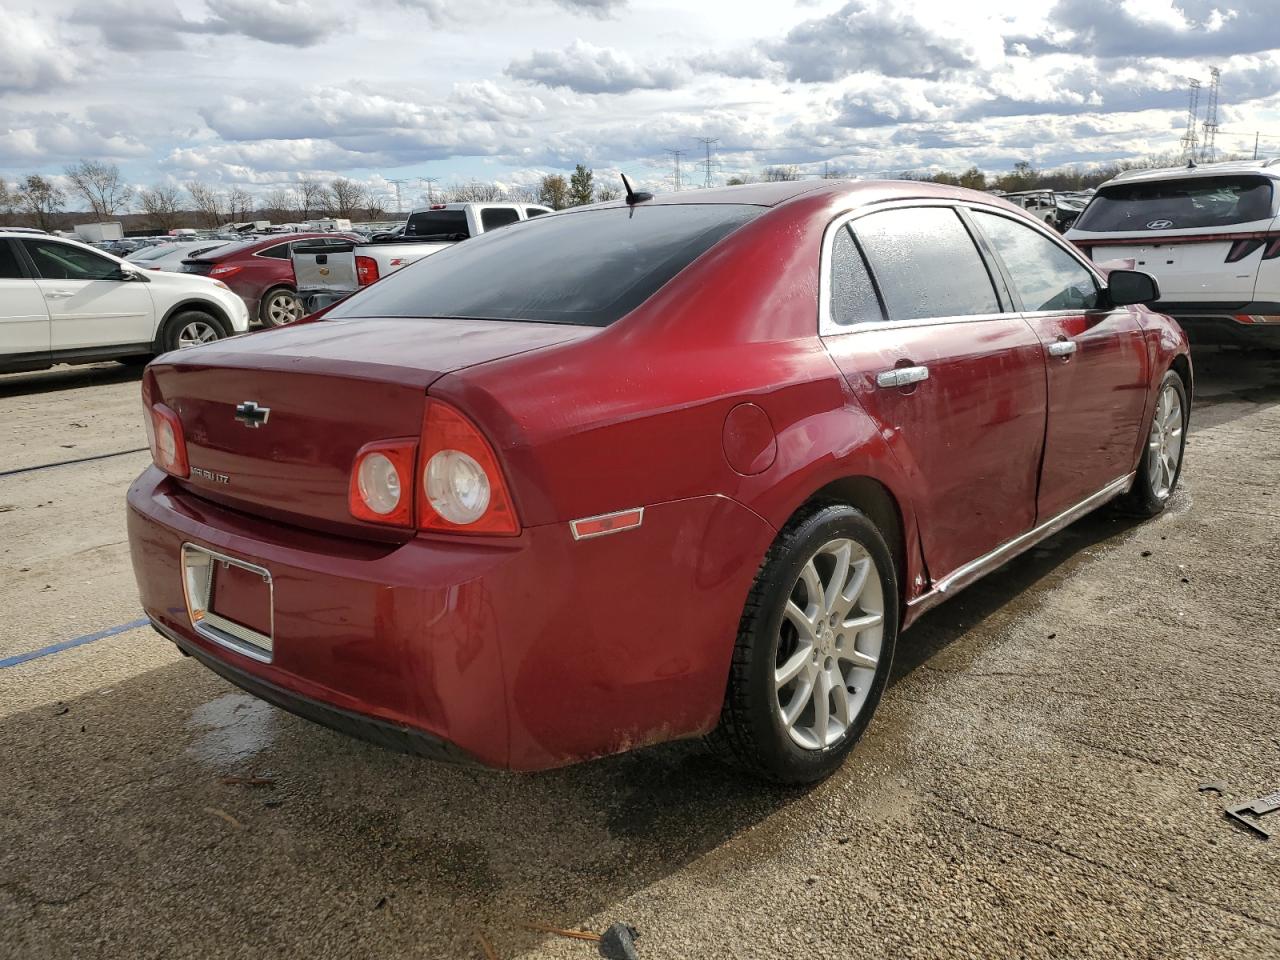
pixel 430 229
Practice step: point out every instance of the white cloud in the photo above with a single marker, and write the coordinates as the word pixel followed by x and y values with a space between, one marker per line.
pixel 585 68
pixel 31 59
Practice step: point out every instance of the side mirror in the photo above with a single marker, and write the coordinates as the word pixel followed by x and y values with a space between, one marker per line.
pixel 1131 286
pixel 131 275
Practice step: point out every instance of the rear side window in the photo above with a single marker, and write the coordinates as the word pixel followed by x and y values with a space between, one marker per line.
pixel 61 261
pixel 853 297
pixel 588 268
pixel 9 269
pixel 493 217
pixel 1045 276
pixel 438 225
pixel 532 212
pixel 279 252
pixel 925 264
pixel 1178 204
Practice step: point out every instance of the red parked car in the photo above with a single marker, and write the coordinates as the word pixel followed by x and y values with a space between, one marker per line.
pixel 260 272
pixel 647 470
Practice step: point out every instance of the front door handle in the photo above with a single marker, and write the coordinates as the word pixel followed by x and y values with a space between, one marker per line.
pixel 1062 348
pixel 59 295
pixel 901 376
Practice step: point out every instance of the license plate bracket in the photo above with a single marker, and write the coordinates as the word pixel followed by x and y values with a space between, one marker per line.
pixel 230 601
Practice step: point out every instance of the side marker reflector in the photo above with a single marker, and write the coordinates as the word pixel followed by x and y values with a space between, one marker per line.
pixel 589 527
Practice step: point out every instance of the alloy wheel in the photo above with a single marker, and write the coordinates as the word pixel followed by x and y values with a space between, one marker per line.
pixel 1164 445
pixel 283 308
pixel 197 332
pixel 829 643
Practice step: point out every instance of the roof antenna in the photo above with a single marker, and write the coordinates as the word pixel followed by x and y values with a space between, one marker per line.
pixel 632 196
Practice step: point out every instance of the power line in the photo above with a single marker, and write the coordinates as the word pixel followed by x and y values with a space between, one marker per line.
pixel 707 164
pixel 675 177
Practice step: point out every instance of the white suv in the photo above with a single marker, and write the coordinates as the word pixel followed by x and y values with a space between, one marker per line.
pixel 1209 234
pixel 64 302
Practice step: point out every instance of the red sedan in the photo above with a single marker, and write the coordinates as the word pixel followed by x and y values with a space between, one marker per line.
pixel 260 272
pixel 654 469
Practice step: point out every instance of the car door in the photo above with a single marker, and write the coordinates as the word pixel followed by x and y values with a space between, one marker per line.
pixel 89 304
pixel 952 374
pixel 1096 359
pixel 24 321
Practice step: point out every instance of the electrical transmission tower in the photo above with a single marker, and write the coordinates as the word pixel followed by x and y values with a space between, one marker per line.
pixel 399 205
pixel 1193 110
pixel 431 196
pixel 708 163
pixel 1210 116
pixel 675 176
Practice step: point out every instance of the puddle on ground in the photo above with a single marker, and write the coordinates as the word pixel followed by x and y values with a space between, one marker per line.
pixel 235 728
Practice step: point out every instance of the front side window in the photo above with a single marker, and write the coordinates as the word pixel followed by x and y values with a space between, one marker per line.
pixel 1045 276
pixel 492 217
pixel 925 264
pixel 853 297
pixel 62 261
pixel 591 267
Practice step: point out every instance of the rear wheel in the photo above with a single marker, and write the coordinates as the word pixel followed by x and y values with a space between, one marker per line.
pixel 280 307
pixel 1161 463
pixel 814 648
pixel 191 328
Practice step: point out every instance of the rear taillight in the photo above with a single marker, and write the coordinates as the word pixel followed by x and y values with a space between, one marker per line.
pixel 366 270
pixel 382 482
pixel 462 489
pixel 168 445
pixel 447 481
pixel 225 270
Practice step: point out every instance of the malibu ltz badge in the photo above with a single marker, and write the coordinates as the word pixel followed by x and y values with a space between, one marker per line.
pixel 252 415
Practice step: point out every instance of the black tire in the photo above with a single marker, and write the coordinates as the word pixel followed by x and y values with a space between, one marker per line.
pixel 752 734
pixel 265 310
pixel 174 327
pixel 1148 498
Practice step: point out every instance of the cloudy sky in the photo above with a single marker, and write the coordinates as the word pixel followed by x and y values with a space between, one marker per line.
pixel 257 92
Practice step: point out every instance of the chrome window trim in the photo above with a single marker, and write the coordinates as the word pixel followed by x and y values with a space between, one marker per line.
pixel 827 327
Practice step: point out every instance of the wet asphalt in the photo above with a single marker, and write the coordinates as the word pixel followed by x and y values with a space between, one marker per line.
pixel 1028 789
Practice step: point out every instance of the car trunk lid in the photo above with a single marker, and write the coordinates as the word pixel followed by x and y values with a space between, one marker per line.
pixel 321 391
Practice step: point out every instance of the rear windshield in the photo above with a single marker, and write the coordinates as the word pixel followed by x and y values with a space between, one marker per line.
pixel 1178 204
pixel 438 225
pixel 588 268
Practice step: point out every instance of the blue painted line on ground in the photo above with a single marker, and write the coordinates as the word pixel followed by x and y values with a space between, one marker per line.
pixel 68 644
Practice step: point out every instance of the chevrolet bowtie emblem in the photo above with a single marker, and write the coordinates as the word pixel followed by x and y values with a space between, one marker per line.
pixel 252 415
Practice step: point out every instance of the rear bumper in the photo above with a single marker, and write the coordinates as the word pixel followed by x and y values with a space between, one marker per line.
pixel 529 653
pixel 1223 330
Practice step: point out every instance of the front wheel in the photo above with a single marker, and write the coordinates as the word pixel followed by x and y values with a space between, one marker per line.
pixel 1161 463
pixel 279 307
pixel 814 648
pixel 189 329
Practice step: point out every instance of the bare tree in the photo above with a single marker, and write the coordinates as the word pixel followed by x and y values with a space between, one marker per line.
pixel 209 203
pixel 240 203
pixel 40 199
pixel 609 192
pixel 162 205
pixel 474 191
pixel 279 205
pixel 312 196
pixel 345 196
pixel 775 174
pixel 7 199
pixel 374 210
pixel 101 186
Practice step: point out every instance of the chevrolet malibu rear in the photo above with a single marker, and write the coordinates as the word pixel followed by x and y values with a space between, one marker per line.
pixel 655 469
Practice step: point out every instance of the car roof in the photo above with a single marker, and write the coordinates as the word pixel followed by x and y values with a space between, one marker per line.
pixel 1267 168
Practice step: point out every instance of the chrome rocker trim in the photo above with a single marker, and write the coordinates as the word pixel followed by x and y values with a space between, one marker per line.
pixel 961 577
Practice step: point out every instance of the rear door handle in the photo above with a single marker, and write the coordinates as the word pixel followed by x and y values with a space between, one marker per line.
pixel 1062 348
pixel 59 295
pixel 901 376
